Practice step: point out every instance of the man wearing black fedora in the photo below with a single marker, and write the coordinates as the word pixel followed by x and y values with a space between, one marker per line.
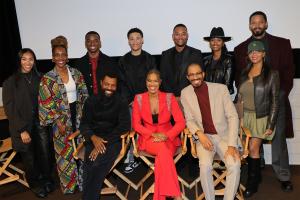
pixel 219 65
pixel 278 56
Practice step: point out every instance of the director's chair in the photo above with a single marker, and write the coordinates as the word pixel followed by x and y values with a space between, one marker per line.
pixel 110 188
pixel 145 157
pixel 220 174
pixel 9 172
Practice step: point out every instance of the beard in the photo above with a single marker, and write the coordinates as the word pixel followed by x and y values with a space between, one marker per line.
pixel 108 93
pixel 258 32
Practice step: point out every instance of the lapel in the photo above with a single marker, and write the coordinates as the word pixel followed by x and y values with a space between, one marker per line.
pixel 146 109
pixel 211 100
pixel 195 104
pixel 61 86
pixel 185 60
pixel 160 106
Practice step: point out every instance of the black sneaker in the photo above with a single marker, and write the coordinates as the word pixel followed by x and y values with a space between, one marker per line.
pixel 49 187
pixel 39 192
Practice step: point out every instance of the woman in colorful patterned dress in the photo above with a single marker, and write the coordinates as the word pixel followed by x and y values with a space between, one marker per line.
pixel 61 97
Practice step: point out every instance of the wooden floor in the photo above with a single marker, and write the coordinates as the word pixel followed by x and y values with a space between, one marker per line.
pixel 268 190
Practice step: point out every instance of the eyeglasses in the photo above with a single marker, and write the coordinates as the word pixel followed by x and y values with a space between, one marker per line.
pixel 194 74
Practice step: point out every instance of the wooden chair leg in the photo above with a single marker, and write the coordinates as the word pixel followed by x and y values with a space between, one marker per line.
pixel 149 191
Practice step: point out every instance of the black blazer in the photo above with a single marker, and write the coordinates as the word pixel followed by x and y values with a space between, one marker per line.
pixel 169 84
pixel 18 108
pixel 85 67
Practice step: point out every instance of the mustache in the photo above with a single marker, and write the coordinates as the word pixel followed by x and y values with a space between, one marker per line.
pixel 196 79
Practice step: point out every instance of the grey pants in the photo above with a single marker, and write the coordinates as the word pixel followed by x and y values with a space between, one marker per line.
pixel 280 156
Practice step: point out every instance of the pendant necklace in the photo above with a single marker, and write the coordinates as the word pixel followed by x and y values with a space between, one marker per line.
pixel 28 79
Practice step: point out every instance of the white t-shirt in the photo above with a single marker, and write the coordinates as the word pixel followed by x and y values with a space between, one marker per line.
pixel 71 88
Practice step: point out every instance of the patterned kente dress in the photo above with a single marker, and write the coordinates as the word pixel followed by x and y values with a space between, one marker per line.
pixel 53 106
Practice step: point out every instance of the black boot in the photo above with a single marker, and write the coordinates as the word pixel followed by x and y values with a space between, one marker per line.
pixel 254 176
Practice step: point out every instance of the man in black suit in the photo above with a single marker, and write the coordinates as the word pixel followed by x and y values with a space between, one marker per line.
pixel 173 65
pixel 93 63
pixel 175 60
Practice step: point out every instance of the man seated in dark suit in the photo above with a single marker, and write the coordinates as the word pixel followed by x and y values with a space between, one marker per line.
pixel 105 117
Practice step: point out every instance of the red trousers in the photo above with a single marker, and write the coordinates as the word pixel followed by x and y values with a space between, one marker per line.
pixel 165 175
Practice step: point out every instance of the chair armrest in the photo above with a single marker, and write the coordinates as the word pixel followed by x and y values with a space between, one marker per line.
pixel 184 136
pixel 124 140
pixel 78 151
pixel 135 150
pixel 193 146
pixel 74 135
pixel 245 142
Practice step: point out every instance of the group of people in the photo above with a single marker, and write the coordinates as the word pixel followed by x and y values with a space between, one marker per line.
pixel 103 99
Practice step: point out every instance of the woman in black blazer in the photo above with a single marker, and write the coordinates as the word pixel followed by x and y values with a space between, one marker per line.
pixel 20 100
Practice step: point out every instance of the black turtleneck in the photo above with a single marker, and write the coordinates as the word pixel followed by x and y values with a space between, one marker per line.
pixel 31 82
pixel 105 117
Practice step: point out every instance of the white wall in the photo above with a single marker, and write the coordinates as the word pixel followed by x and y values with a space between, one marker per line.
pixel 40 21
pixel 293 144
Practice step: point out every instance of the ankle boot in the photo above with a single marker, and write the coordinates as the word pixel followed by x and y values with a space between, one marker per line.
pixel 254 176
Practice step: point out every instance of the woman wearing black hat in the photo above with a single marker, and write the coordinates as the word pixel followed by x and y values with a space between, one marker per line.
pixel 219 65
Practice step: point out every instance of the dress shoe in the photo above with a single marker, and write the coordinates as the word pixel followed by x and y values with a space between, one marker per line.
pixel 286 186
pixel 39 192
pixel 49 187
pixel 249 192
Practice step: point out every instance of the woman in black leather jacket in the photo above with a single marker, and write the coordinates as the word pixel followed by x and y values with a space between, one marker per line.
pixel 219 65
pixel 258 95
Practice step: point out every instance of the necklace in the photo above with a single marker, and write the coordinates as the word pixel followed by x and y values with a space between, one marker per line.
pixel 28 79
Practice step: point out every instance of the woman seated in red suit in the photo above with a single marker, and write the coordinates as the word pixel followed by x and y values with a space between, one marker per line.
pixel 151 119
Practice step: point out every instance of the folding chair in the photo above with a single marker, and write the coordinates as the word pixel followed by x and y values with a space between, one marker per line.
pixel 145 157
pixel 220 174
pixel 110 188
pixel 9 172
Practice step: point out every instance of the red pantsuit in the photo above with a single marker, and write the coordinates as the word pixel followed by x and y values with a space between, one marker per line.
pixel 166 181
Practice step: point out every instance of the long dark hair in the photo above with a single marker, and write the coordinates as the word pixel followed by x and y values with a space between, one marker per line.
pixel 265 71
pixel 33 70
pixel 224 50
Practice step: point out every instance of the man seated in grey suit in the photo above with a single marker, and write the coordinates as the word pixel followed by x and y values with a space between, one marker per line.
pixel 212 118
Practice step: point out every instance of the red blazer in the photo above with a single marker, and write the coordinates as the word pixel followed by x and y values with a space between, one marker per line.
pixel 142 119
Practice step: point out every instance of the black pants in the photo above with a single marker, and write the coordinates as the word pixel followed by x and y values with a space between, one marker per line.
pixel 73 115
pixel 31 170
pixel 45 152
pixel 37 159
pixel 94 172
pixel 280 155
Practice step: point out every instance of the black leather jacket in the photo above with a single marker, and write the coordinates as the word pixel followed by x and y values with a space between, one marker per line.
pixel 221 72
pixel 266 97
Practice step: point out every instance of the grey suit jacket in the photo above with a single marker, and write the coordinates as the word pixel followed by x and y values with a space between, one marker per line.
pixel 223 112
